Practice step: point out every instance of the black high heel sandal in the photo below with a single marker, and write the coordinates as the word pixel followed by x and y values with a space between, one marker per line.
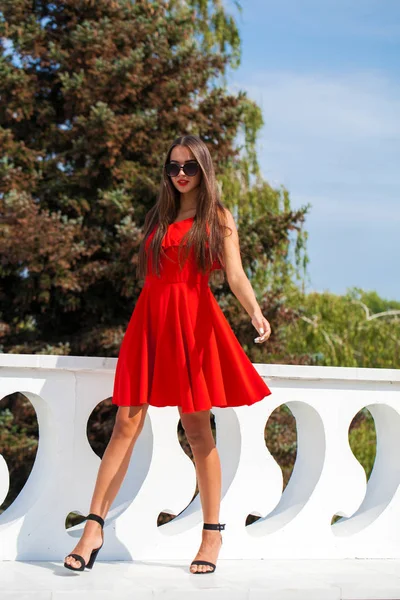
pixel 93 556
pixel 220 527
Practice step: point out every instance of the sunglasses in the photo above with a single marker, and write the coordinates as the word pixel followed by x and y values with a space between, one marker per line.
pixel 190 168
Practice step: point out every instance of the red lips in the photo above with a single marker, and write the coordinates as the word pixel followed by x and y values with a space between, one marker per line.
pixel 182 182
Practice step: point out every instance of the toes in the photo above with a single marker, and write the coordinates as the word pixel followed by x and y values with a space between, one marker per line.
pixel 196 568
pixel 70 560
pixel 200 568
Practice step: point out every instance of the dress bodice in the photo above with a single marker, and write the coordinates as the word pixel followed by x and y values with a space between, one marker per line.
pixel 170 271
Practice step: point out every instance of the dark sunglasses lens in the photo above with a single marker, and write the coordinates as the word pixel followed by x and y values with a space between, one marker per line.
pixel 191 168
pixel 172 169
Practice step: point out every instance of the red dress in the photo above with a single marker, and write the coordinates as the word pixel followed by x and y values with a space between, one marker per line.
pixel 179 349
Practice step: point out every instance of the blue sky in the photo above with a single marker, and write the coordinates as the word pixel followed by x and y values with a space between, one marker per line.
pixel 327 77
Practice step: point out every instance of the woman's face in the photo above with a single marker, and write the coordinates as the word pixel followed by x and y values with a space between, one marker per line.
pixel 182 182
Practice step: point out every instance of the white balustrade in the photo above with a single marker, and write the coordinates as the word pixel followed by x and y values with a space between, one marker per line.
pixel 327 479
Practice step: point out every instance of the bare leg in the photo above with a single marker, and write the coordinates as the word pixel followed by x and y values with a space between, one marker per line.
pixel 208 470
pixel 113 467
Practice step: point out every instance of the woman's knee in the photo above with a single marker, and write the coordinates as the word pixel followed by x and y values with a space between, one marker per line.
pixel 197 429
pixel 129 420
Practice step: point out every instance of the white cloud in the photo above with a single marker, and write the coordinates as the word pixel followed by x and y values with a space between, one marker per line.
pixel 334 140
pixel 363 105
pixel 330 135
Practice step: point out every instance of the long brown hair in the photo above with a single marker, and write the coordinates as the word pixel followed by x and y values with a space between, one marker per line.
pixel 209 210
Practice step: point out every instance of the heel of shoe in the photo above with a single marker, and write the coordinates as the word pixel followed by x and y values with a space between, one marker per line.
pixel 93 557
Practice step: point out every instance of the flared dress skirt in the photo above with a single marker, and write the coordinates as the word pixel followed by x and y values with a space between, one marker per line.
pixel 178 348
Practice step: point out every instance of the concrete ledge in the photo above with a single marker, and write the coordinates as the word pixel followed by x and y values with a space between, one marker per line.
pixel 233 580
pixel 272 372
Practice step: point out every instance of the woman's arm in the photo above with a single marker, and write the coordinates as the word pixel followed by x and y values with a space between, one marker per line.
pixel 238 280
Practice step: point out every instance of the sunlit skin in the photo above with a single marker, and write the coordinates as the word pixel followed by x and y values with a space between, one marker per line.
pixel 129 420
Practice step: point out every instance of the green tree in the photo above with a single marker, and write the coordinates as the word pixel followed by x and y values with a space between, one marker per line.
pixel 92 95
pixel 359 329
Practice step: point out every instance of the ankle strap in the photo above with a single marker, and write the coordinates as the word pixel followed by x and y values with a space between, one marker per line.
pixel 93 517
pixel 219 526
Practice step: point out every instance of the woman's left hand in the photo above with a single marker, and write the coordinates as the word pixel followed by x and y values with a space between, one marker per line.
pixel 263 327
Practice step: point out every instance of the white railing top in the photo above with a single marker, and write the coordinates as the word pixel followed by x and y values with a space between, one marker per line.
pixel 270 371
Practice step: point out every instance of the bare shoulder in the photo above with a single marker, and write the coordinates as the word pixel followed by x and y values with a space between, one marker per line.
pixel 228 219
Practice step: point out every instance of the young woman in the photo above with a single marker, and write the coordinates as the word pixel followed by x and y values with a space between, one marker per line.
pixel 179 349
